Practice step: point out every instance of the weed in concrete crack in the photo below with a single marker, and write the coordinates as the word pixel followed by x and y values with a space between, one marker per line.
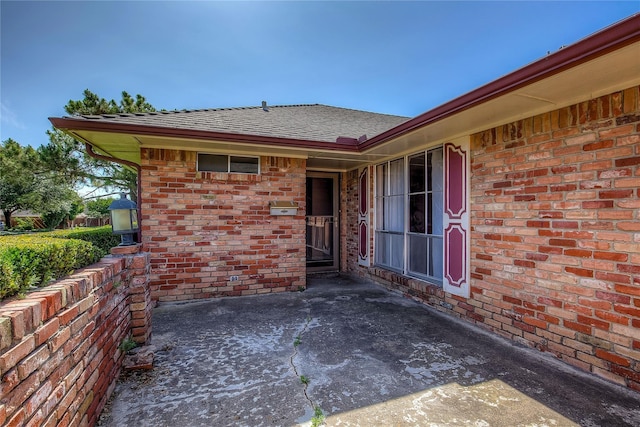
pixel 127 344
pixel 318 417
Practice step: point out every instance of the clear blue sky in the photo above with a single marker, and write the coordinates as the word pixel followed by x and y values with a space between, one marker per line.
pixel 389 57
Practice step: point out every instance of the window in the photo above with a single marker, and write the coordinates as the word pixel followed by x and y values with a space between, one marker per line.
pixel 422 216
pixel 390 196
pixel 409 215
pixel 425 215
pixel 226 163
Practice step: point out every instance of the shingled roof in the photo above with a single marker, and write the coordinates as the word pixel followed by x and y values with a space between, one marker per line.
pixel 331 138
pixel 314 122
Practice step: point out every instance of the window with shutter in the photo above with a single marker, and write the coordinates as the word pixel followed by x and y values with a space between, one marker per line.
pixel 422 216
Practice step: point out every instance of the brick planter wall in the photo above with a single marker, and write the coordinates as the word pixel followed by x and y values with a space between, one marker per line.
pixel 59 355
pixel 555 245
pixel 211 234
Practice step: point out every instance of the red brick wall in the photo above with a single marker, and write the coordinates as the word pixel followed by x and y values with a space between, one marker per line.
pixel 348 224
pixel 349 208
pixel 59 355
pixel 555 254
pixel 205 229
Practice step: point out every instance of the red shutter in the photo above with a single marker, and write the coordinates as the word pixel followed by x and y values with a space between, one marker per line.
pixel 363 217
pixel 456 219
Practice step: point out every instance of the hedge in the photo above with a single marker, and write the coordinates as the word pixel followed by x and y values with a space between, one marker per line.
pixel 33 261
pixel 101 237
pixel 30 260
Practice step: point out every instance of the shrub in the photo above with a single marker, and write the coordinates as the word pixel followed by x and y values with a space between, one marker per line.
pixel 24 224
pixel 100 237
pixel 31 260
pixel 8 285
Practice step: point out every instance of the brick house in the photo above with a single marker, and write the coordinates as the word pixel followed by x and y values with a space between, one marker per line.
pixel 515 206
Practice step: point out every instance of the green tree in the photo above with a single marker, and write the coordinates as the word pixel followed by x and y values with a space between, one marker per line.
pixel 19 181
pixel 68 157
pixel 92 104
pixel 57 204
pixel 99 208
pixel 27 183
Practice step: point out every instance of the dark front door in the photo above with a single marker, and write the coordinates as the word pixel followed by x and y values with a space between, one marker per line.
pixel 322 221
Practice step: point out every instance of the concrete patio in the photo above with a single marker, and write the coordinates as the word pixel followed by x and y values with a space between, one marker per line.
pixel 363 355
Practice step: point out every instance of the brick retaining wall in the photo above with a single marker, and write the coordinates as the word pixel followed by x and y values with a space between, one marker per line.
pixel 59 355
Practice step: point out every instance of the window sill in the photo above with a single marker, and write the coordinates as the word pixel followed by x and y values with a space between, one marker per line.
pixel 228 176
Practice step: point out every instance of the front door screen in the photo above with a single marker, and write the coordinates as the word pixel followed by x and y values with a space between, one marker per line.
pixel 321 226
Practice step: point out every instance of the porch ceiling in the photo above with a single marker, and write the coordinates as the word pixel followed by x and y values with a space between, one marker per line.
pixel 616 69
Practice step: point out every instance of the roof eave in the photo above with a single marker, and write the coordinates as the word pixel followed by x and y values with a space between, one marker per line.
pixel 73 124
pixel 607 40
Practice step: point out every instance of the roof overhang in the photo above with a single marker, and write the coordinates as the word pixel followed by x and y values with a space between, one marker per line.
pixel 603 63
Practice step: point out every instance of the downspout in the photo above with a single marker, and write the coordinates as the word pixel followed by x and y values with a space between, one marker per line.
pixel 95 155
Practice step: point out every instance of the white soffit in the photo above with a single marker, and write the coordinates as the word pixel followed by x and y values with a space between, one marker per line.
pixel 615 71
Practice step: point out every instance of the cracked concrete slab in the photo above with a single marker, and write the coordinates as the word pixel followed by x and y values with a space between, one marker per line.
pixel 371 357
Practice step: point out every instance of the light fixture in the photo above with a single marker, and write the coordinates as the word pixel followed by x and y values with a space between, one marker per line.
pixel 124 219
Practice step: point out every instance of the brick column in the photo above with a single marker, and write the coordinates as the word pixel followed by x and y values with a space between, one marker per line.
pixel 138 267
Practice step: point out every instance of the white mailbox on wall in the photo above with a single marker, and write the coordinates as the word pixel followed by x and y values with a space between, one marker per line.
pixel 281 207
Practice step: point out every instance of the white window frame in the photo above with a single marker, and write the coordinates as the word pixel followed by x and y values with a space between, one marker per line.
pixel 430 238
pixel 406 233
pixel 456 224
pixel 378 231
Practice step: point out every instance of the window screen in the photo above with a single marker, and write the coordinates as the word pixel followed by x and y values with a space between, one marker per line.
pixel 411 242
pixel 212 163
pixel 225 163
pixel 243 164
